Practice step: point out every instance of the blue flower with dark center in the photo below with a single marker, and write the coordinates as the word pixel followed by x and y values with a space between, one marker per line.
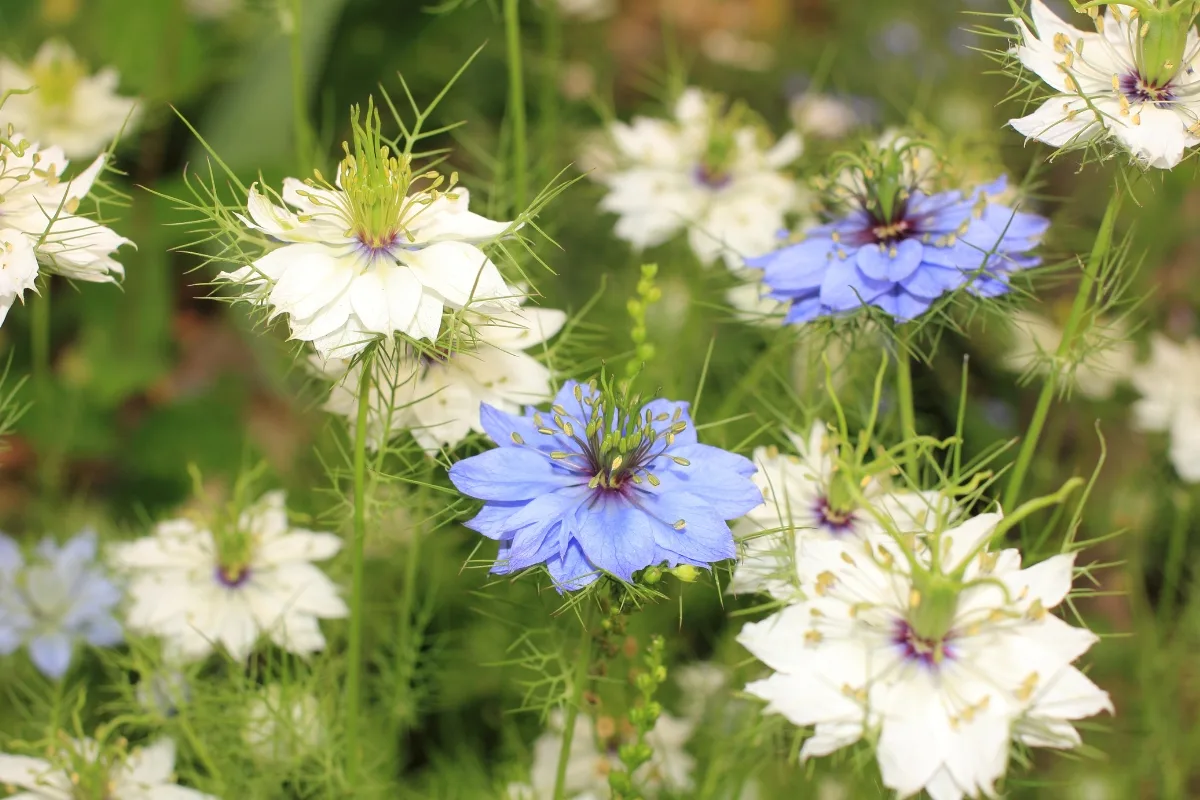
pixel 54 601
pixel 901 255
pixel 591 487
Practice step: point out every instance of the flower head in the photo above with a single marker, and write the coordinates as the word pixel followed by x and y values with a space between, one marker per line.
pixel 897 247
pixel 1132 80
pixel 941 648
pixel 436 394
pixel 80 113
pixel 39 226
pixel 1169 384
pixel 599 485
pixel 198 586
pixel 371 255
pixel 715 174
pixel 55 600
pixel 806 497
pixel 83 769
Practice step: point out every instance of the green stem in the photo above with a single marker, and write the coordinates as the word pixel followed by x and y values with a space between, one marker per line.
pixel 904 392
pixel 552 47
pixel 1079 307
pixel 303 135
pixel 582 666
pixel 354 665
pixel 39 320
pixel 1176 554
pixel 516 103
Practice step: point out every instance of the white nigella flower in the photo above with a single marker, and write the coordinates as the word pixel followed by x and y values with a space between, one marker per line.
pixel 824 116
pixel 437 394
pixel 1170 387
pixel 714 174
pixel 1107 361
pixel 371 256
pixel 699 683
pixel 198 586
pixel 751 304
pixel 78 112
pixel 943 663
pixel 804 499
pixel 81 769
pixel 590 761
pixel 282 726
pixel 1133 80
pixel 39 226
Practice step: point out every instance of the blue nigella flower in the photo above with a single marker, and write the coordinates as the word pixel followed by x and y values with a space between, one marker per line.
pixel 590 488
pixel 902 255
pixel 58 598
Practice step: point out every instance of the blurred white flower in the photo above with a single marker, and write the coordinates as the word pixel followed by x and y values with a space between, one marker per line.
pixel 752 305
pixel 584 10
pixel 1035 341
pixel 711 173
pixel 80 770
pixel 943 664
pixel 366 259
pixel 699 683
pixel 802 502
pixel 1110 83
pixel 77 112
pixel 824 116
pixel 198 588
pixel 283 725
pixel 39 226
pixel 437 396
pixel 1170 387
pixel 589 762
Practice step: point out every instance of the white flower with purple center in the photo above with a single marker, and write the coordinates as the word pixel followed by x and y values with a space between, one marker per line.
pixel 598 486
pixel 942 661
pixel 715 175
pixel 59 598
pixel 1133 79
pixel 200 586
pixel 896 247
pixel 371 256
pixel 804 498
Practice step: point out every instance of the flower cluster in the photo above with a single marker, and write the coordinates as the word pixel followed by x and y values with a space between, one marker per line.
pixel 942 650
pixel 710 173
pixel 896 247
pixel 198 586
pixel 597 485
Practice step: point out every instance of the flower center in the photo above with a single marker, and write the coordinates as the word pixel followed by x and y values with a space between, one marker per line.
pixel 835 521
pixel 925 650
pixel 232 576
pixel 56 81
pixel 1137 89
pixel 712 177
pixel 891 232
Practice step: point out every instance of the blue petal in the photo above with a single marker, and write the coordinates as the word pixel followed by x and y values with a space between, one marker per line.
pixel 704 536
pixel 10 555
pixel 10 639
pixel 799 267
pixel 93 596
pixel 805 310
pixel 666 410
pixel 500 426
pixel 572 571
pixel 51 654
pixel 565 399
pixel 879 263
pixel 615 536
pixel 536 544
pixel 931 281
pixel 492 519
pixel 902 305
pixel 846 288
pixel 720 477
pixel 103 631
pixel 510 473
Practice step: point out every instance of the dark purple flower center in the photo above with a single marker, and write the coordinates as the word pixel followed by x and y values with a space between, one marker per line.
pixel 835 521
pixel 711 177
pixel 232 577
pixel 927 652
pixel 1137 89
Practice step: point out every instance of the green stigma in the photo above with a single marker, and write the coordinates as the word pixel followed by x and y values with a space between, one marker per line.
pixel 56 81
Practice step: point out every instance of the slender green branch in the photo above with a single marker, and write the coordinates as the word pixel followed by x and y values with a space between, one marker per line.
pixel 302 133
pixel 904 397
pixel 39 320
pixel 354 665
pixel 1087 286
pixel 516 103
pixel 578 682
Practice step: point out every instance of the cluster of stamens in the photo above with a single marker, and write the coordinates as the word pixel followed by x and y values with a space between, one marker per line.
pixel 614 448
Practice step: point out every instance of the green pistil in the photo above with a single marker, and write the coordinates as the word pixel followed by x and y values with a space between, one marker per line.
pixel 57 80
pixel 933 604
pixel 1163 32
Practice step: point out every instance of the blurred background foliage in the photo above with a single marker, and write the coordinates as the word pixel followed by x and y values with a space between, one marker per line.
pixel 157 375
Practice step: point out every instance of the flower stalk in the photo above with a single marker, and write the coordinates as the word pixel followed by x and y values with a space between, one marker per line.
pixel 1087 286
pixel 516 102
pixel 354 665
pixel 579 683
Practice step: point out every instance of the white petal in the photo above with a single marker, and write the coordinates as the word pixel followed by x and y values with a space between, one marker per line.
pixel 460 274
